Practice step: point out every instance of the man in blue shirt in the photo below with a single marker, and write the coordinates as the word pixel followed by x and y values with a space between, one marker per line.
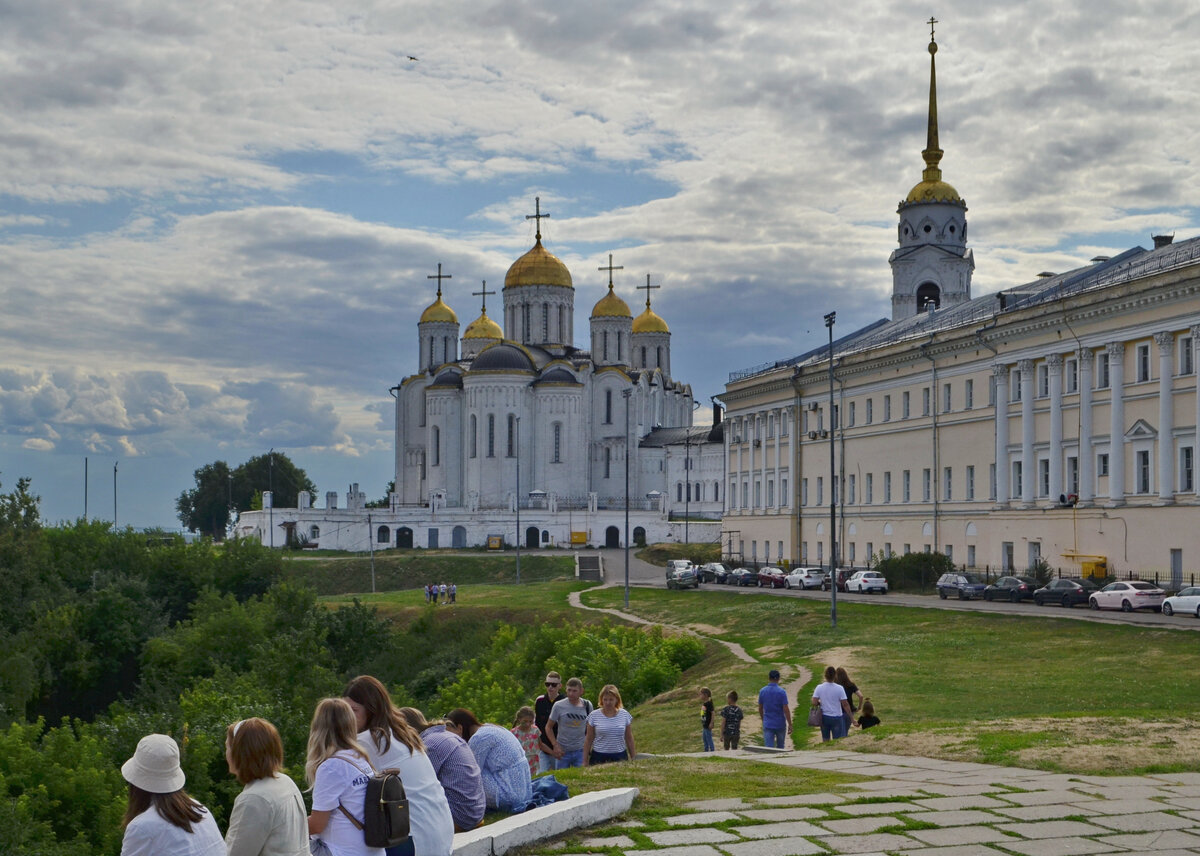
pixel 774 710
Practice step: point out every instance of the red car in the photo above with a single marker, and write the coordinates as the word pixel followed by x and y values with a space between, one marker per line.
pixel 843 574
pixel 771 578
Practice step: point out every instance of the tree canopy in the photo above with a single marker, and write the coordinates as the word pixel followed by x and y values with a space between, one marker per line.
pixel 220 491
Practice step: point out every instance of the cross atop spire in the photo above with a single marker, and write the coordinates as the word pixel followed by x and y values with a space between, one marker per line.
pixel 648 287
pixel 439 276
pixel 932 153
pixel 610 270
pixel 483 292
pixel 931 22
pixel 537 215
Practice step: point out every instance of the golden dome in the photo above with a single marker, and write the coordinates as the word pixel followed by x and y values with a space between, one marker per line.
pixel 611 306
pixel 539 266
pixel 439 312
pixel 483 328
pixel 933 191
pixel 650 322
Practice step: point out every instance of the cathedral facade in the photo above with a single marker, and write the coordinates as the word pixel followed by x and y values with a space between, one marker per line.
pixel 1053 421
pixel 516 422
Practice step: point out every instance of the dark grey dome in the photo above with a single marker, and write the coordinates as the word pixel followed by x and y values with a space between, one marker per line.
pixel 448 378
pixel 502 357
pixel 557 375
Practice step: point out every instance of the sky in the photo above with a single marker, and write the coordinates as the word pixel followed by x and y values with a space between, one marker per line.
pixel 217 220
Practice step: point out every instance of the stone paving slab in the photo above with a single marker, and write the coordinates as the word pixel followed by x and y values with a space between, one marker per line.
pixel 790 829
pixel 1051 829
pixel 1058 847
pixel 1193 815
pixel 1052 811
pixel 699 817
pixel 1183 790
pixel 1178 778
pixel 716 805
pixel 956 850
pixel 1142 793
pixel 691 850
pixel 703 835
pixel 864 844
pixel 859 825
pixel 963 817
pixel 622 841
pixel 959 835
pixel 1046 797
pixel 958 790
pixel 953 803
pixel 1112 781
pixel 804 799
pixel 796 813
pixel 1188 803
pixel 876 808
pixel 774 847
pixel 1144 822
pixel 1154 840
pixel 1132 806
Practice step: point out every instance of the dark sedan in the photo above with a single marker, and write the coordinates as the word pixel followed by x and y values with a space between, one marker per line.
pixel 1066 591
pixel 1013 589
pixel 771 578
pixel 741 577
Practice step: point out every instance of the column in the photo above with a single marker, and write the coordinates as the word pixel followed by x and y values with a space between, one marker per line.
pixel 1116 427
pixel 737 483
pixel 1195 331
pixel 761 435
pixel 1028 464
pixel 1000 377
pixel 1166 418
pixel 727 439
pixel 778 442
pixel 1087 479
pixel 1054 368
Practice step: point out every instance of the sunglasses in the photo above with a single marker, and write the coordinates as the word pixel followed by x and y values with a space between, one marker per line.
pixel 552 683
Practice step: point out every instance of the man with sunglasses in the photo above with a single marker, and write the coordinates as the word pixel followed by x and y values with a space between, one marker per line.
pixel 541 709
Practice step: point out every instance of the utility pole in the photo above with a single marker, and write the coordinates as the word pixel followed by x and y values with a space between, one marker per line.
pixel 833 545
pixel 371 544
pixel 627 393
pixel 114 494
pixel 85 486
pixel 517 450
pixel 271 488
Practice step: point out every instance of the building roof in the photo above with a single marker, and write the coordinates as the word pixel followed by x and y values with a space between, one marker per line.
pixel 539 266
pixel 611 306
pixel 503 356
pixel 697 434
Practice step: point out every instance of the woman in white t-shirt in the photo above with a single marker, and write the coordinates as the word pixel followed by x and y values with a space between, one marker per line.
pixel 392 743
pixel 835 710
pixel 608 735
pixel 161 817
pixel 337 770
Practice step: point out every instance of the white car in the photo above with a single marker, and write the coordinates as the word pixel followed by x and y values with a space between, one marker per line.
pixel 867 581
pixel 805 578
pixel 1186 602
pixel 1128 596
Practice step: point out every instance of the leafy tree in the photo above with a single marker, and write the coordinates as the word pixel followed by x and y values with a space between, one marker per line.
pixel 387 497
pixel 220 491
pixel 206 507
pixel 272 471
pixel 19 508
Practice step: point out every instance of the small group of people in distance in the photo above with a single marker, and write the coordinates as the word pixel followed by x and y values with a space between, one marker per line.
pixel 835 696
pixel 574 733
pixel 441 593
pixel 453 769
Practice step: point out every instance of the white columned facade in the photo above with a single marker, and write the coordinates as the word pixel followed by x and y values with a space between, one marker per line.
pixel 727 440
pixel 1116 427
pixel 741 467
pixel 1166 418
pixel 778 444
pixel 1054 369
pixel 1000 379
pixel 1195 332
pixel 760 435
pixel 1086 457
pixel 1028 464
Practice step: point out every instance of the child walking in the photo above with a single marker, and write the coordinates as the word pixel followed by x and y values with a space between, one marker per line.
pixel 731 730
pixel 529 736
pixel 868 718
pixel 706 719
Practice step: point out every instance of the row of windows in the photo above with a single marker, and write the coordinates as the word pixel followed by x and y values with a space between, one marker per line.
pixel 695 492
pixel 868 486
pixel 490 442
pixel 1143 473
pixel 750 428
pixel 784 498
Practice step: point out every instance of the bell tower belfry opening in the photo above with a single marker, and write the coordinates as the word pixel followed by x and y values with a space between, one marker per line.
pixel 932 267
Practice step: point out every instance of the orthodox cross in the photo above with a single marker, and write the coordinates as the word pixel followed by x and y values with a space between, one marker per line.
pixel 483 292
pixel 931 22
pixel 538 215
pixel 610 269
pixel 648 287
pixel 439 276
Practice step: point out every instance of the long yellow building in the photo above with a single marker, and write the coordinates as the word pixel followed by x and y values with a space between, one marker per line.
pixel 1056 420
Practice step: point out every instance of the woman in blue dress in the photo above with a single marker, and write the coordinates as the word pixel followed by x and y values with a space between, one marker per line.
pixel 502 763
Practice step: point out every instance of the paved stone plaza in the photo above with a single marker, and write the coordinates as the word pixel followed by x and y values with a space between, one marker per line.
pixel 926 807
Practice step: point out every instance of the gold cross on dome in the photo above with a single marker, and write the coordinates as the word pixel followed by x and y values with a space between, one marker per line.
pixel 648 288
pixel 483 292
pixel 537 215
pixel 610 269
pixel 439 276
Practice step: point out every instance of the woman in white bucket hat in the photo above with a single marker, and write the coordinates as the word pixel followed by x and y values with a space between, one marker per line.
pixel 161 817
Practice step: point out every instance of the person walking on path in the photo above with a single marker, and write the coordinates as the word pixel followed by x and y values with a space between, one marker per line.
pixel 774 710
pixel 568 725
pixel 731 716
pixel 835 709
pixel 706 719
pixel 851 688
pixel 609 735
pixel 542 706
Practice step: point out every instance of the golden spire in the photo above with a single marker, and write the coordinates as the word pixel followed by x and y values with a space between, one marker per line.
pixel 931 188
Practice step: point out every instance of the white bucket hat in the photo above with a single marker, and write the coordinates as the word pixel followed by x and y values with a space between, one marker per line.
pixel 154 767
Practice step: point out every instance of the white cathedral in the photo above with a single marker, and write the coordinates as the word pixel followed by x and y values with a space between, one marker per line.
pixel 516 426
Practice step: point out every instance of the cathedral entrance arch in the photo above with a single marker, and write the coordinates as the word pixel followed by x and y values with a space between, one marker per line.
pixel 532 535
pixel 612 537
pixel 458 537
pixel 404 538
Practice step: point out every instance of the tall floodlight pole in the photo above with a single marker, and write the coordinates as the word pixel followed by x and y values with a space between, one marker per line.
pixel 627 393
pixel 371 545
pixel 517 449
pixel 687 482
pixel 85 486
pixel 833 546
pixel 114 494
pixel 271 489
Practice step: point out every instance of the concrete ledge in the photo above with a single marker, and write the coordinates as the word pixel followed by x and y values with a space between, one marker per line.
pixel 547 821
pixel 767 750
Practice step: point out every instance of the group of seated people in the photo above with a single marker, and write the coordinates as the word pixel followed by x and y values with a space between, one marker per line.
pixel 453 770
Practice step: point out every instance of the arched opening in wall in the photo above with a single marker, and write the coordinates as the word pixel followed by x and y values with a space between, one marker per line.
pixel 929 296
pixel 532 535
pixel 383 535
pixel 643 364
pixel 404 538
pixel 545 536
pixel 458 536
pixel 612 537
pixel 658 357
pixel 639 536
pixel 314 533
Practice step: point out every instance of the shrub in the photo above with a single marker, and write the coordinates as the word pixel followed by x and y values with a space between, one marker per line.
pixel 914 571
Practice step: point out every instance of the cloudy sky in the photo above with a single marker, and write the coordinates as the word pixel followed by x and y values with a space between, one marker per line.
pixel 217 219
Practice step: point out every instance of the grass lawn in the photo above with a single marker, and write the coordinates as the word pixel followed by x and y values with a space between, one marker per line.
pixel 409 569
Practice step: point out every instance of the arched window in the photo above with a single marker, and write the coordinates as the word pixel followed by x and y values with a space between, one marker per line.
pixel 929 296
pixel 658 357
pixel 491 443
pixel 437 446
pixel 557 443
pixel 716 491
pixel 314 533
pixel 620 352
pixel 383 535
pixel 607 462
pixel 474 435
pixel 562 324
pixel 431 352
pixel 643 356
pixel 512 435
pixel 699 493
pixel 679 491
pixel 545 322
pixel 604 349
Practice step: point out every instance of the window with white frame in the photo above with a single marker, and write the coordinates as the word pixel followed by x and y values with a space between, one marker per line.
pixel 804 491
pixel 770 493
pixel 925 401
pixel 731 494
pixel 1043 476
pixel 870 489
pixel 907 488
pixel 970 555
pixel 946 398
pixel 1014 382
pixel 1016 478
pixel 887 408
pixel 820 490
pixel 1043 380
pixel 904 408
pixel 970 481
pixel 870 411
pixel 887 487
pixel 783 426
pixel 1186 356
pixel 926 484
pixel 1142 464
pixel 1143 363
pixel 1102 370
pixel 969 394
pixel 852 552
pixel 783 492
pixel 852 413
pixel 757 493
pixel 949 551
pixel 1071 374
pixel 1187 477
pixel 745 495
pixel 770 426
pixel 1073 474
pixel 850 495
pixel 947 483
pixel 1102 464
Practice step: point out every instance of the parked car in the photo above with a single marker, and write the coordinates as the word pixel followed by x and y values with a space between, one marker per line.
pixel 1128 596
pixel 1188 600
pixel 1013 589
pixel 805 578
pixel 964 586
pixel 742 577
pixel 770 577
pixel 867 581
pixel 843 574
pixel 681 574
pixel 1066 591
pixel 713 572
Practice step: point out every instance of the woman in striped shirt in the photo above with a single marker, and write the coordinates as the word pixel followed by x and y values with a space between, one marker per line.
pixel 609 733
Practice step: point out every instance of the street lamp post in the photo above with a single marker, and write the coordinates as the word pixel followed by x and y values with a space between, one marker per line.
pixel 627 393
pixel 271 489
pixel 114 494
pixel 687 483
pixel 517 450
pixel 833 545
